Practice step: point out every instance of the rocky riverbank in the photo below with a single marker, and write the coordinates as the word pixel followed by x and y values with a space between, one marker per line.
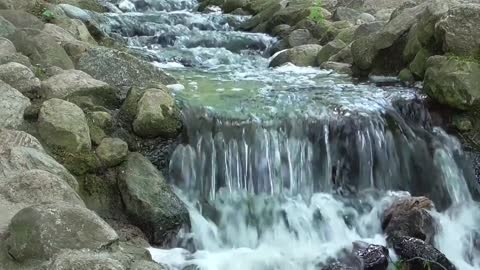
pixel 77 113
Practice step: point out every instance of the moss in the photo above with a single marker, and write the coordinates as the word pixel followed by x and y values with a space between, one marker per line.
pixel 465 59
pixel 78 163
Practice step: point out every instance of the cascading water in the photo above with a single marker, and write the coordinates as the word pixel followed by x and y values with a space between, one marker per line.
pixel 284 168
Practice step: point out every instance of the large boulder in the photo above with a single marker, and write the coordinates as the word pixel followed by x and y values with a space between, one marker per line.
pixel 290 15
pixel 41 231
pixel 76 28
pixel 63 124
pixel 84 260
pixel 19 77
pixel 305 55
pixel 74 83
pixel 459 32
pixel 453 82
pixel 18 4
pixel 300 37
pixel 157 115
pixel 6 27
pixel 129 70
pixel 41 48
pixel 13 105
pixel 149 201
pixel 346 14
pixel 21 19
pixel 330 49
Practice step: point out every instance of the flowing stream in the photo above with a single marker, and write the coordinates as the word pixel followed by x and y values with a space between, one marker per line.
pixel 284 168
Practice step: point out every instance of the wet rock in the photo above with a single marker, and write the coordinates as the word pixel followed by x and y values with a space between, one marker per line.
pixel 21 19
pixel 373 257
pixel 129 70
pixel 329 50
pixel 112 151
pixel 6 27
pixel 305 55
pixel 149 201
pixel 342 68
pixel 453 82
pixel 74 83
pixel 19 77
pixel 41 231
pixel 126 6
pixel 406 76
pixel 84 260
pixel 63 124
pixel 409 217
pixel 299 37
pixel 13 105
pixel 459 32
pixel 157 115
pixel 41 48
pixel 416 254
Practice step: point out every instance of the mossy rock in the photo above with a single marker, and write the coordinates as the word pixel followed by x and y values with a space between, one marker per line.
pixel 78 163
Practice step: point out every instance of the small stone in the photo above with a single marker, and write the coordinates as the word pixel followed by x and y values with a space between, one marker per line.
pixel 112 151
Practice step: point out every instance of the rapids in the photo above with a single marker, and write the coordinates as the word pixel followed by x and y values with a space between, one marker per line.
pixel 284 168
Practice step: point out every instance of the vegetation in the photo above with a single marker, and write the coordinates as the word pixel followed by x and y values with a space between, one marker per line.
pixel 316 12
pixel 48 15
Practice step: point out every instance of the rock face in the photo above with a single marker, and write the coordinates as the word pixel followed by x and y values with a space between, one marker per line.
pixel 41 231
pixel 453 82
pixel 149 201
pixel 459 31
pixel 13 105
pixel 63 124
pixel 37 186
pixel 129 70
pixel 112 151
pixel 305 55
pixel 156 115
pixel 78 83
pixel 19 77
pixel 41 48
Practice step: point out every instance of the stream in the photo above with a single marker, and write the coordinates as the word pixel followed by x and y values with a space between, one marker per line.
pixel 284 168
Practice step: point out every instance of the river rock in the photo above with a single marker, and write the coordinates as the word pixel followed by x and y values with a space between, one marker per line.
pixel 459 32
pixel 6 46
pixel 84 260
pixel 72 83
pixel 63 124
pixel 129 70
pixel 41 231
pixel 38 186
pixel 299 37
pixel 330 49
pixel 149 201
pixel 453 82
pixel 305 55
pixel 112 151
pixel 342 68
pixel 157 115
pixel 6 27
pixel 409 217
pixel 20 77
pixel 13 105
pixel 22 19
pixel 41 48
pixel 373 257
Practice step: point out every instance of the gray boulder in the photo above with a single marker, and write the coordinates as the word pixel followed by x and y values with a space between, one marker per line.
pixel 76 28
pixel 72 83
pixel 157 115
pixel 14 138
pixel 6 27
pixel 149 201
pixel 19 77
pixel 41 48
pixel 18 4
pixel 84 260
pixel 112 151
pixel 453 82
pixel 343 56
pixel 330 49
pixel 6 47
pixel 22 19
pixel 305 55
pixel 41 231
pixel 129 70
pixel 300 37
pixel 16 58
pixel 63 124
pixel 13 105
pixel 346 14
pixel 458 30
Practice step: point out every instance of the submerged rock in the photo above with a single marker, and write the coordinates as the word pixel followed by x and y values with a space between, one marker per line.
pixel 41 231
pixel 63 124
pixel 13 105
pixel 149 201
